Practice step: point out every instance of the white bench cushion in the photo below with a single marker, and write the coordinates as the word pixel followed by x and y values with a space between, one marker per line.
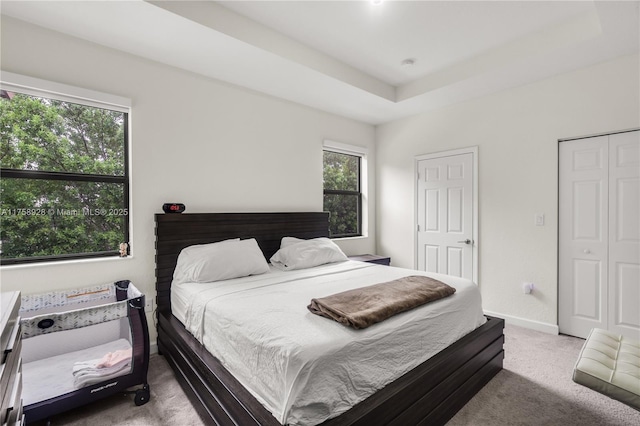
pixel 610 364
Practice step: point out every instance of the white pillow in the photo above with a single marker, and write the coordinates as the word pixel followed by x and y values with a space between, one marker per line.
pixel 306 253
pixel 224 260
pixel 287 241
pixel 192 255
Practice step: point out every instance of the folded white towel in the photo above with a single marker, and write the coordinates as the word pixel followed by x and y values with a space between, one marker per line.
pixel 90 366
pixel 90 377
pixel 99 371
pixel 113 364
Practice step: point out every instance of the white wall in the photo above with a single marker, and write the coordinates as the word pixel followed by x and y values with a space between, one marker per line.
pixel 517 133
pixel 210 145
pixel 217 147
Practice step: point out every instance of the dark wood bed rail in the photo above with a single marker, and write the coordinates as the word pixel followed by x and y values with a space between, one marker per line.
pixel 428 395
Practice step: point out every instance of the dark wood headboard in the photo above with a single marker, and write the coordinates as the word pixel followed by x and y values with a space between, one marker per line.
pixel 177 231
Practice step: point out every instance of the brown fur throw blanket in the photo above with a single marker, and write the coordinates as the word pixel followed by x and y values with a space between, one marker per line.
pixel 362 307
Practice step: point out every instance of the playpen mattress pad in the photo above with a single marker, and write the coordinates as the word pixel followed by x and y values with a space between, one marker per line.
pixel 50 377
pixel 304 368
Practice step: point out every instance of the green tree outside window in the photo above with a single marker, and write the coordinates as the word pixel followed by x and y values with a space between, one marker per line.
pixel 342 196
pixel 64 186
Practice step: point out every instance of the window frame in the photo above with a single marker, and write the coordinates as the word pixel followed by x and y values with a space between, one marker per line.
pixel 361 154
pixel 47 89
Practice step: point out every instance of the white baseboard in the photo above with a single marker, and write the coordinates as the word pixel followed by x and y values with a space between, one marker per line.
pixel 526 323
pixel 153 348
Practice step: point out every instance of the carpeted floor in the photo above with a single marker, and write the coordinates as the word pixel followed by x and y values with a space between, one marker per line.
pixel 535 388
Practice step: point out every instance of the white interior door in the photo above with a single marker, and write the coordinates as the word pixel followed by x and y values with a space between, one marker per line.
pixel 445 214
pixel 599 235
pixel 583 239
pixel 624 234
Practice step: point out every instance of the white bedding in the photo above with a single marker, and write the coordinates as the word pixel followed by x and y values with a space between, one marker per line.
pixel 304 368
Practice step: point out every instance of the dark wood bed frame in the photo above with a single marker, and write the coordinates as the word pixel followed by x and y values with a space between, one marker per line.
pixel 430 394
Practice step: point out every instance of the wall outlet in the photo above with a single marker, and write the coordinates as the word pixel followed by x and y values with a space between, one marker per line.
pixel 527 288
pixel 539 219
pixel 148 304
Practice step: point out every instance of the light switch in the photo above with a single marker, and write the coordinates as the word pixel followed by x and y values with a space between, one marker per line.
pixel 539 219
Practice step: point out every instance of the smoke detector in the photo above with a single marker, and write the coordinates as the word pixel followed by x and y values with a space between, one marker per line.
pixel 408 63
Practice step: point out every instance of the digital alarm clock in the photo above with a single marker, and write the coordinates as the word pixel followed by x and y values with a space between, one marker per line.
pixel 173 207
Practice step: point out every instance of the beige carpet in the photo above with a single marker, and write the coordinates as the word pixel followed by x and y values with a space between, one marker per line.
pixel 535 388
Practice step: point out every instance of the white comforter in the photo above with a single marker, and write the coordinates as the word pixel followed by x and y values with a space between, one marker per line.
pixel 305 368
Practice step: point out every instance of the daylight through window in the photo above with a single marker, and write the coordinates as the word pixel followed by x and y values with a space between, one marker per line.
pixel 342 193
pixel 65 180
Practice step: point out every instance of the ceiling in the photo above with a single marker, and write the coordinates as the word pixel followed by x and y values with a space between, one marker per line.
pixel 345 57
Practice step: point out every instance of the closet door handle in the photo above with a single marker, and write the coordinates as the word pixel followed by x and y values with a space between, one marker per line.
pixel 467 241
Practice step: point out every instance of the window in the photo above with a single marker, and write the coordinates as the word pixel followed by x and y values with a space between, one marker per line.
pixel 343 195
pixel 64 192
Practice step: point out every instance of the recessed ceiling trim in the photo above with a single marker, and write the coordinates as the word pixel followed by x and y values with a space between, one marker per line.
pixel 553 37
pixel 283 66
pixel 221 19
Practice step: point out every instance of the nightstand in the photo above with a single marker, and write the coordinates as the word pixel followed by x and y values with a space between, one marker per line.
pixel 372 258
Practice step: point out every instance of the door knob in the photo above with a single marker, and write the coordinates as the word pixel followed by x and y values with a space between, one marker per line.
pixel 587 251
pixel 467 241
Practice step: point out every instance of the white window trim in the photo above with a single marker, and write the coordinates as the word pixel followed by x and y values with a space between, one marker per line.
pixel 344 148
pixel 62 92
pixel 362 152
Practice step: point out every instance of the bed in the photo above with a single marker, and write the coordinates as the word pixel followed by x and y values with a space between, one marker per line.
pixel 430 393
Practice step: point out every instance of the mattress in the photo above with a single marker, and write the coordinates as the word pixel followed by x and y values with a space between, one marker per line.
pixel 50 377
pixel 305 368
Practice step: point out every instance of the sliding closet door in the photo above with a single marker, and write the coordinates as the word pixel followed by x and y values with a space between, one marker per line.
pixel 624 234
pixel 583 238
pixel 599 235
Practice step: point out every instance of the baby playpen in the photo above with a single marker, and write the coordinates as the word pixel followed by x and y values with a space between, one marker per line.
pixel 83 345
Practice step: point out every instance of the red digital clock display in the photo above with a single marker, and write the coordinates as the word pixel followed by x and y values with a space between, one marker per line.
pixel 173 207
